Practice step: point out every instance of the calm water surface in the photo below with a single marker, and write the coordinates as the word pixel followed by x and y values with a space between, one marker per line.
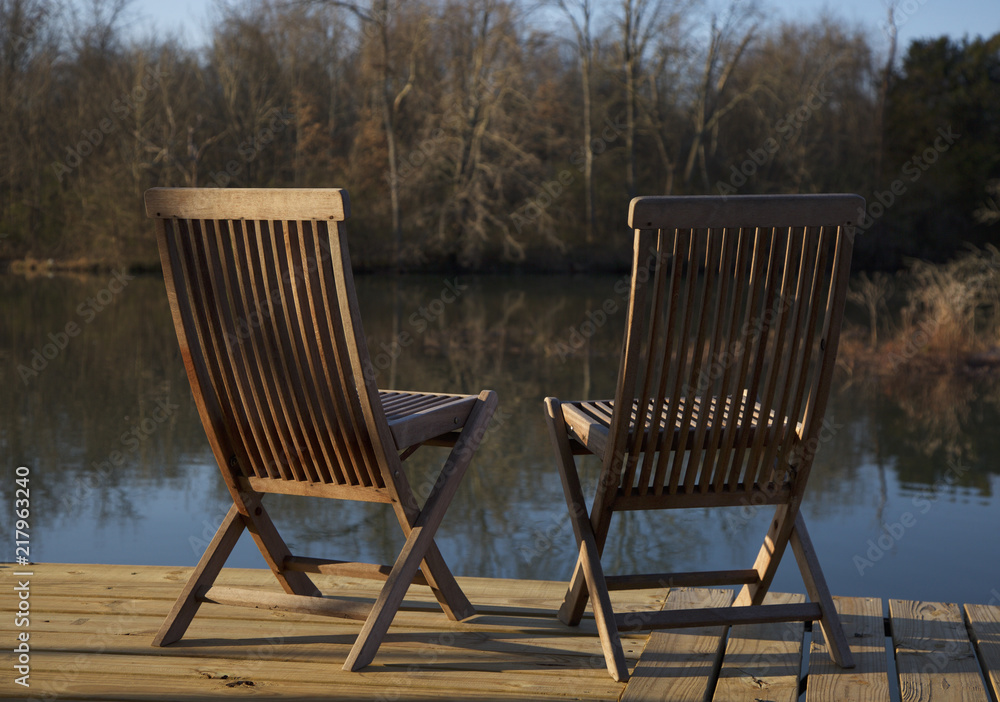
pixel 902 501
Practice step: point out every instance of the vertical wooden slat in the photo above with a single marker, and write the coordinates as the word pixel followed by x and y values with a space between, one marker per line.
pixel 298 245
pixel 711 415
pixel 231 309
pixel 354 442
pixel 658 354
pixel 365 404
pixel 196 272
pixel 675 364
pixel 360 441
pixel 830 339
pixel 731 457
pixel 769 426
pixel 268 273
pixel 219 426
pixel 629 371
pixel 743 457
pixel 255 289
pixel 730 345
pixel 706 327
pixel 278 274
pixel 330 331
pixel 816 304
pixel 300 331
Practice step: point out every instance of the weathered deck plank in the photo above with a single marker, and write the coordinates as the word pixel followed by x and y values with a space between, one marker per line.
pixel 935 660
pixel 984 626
pixel 92 626
pixel 762 661
pixel 868 681
pixel 680 665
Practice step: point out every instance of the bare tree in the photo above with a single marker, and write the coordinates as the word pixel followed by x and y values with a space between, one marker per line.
pixel 659 104
pixel 637 23
pixel 377 22
pixel 579 13
pixel 890 31
pixel 728 41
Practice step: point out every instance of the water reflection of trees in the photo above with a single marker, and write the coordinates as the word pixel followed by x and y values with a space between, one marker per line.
pixel 502 333
pixel 937 422
pixel 112 376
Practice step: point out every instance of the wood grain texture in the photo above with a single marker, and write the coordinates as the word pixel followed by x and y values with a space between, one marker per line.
pixel 935 660
pixel 687 212
pixel 681 665
pixel 984 627
pixel 91 626
pixel 762 661
pixel 248 203
pixel 868 681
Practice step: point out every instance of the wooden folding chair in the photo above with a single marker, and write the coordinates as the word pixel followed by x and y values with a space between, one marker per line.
pixel 730 345
pixel 262 296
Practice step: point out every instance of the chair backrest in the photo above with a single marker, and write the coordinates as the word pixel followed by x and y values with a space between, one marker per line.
pixel 732 334
pixel 262 296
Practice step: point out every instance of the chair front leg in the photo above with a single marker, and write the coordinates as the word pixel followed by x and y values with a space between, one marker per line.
pixel 205 573
pixel 769 556
pixel 588 576
pixel 421 537
pixel 575 601
pixel 815 582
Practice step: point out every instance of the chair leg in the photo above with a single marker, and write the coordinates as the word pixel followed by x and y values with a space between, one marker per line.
pixel 201 579
pixel 588 577
pixel 421 538
pixel 604 615
pixel 449 595
pixel 575 601
pixel 273 547
pixel 812 576
pixel 769 556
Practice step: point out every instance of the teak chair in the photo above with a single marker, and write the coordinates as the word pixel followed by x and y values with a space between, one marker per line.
pixel 730 345
pixel 262 296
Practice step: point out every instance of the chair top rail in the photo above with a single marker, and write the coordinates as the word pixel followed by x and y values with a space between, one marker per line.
pixel 708 211
pixel 249 203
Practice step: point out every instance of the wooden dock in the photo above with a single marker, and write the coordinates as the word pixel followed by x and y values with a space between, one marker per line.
pixel 91 627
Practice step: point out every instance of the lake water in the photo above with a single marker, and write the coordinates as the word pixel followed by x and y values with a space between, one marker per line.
pixel 902 501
